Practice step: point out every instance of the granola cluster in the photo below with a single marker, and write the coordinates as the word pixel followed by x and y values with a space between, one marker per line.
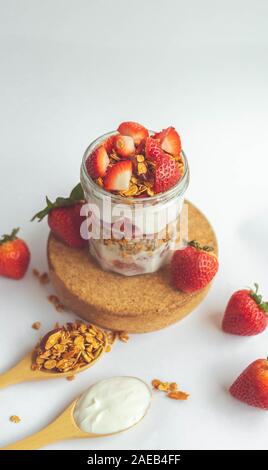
pixel 142 179
pixel 171 389
pixel 69 348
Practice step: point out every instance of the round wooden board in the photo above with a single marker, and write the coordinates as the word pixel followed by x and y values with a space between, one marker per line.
pixel 137 304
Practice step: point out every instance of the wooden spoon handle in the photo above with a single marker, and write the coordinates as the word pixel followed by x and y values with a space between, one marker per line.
pixel 36 441
pixel 62 428
pixel 21 372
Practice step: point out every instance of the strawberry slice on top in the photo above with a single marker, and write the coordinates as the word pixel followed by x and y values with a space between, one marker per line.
pixel 169 140
pixel 97 163
pixel 153 151
pixel 118 176
pixel 124 145
pixel 109 144
pixel 167 174
pixel 134 130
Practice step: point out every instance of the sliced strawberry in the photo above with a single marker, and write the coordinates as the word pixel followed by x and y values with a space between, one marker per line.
pixel 169 140
pixel 153 151
pixel 167 174
pixel 97 163
pixel 134 130
pixel 109 144
pixel 124 145
pixel 118 176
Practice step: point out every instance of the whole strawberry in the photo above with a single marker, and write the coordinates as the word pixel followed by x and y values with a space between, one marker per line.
pixel 64 217
pixel 251 386
pixel 246 313
pixel 193 267
pixel 14 256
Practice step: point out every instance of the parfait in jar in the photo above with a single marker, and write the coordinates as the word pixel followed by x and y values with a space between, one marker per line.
pixel 134 182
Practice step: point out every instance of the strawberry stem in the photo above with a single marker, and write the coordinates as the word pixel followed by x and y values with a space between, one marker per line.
pixel 197 245
pixel 9 238
pixel 258 299
pixel 77 194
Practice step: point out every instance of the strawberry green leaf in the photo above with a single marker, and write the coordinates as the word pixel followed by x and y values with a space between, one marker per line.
pixel 8 238
pixel 197 246
pixel 258 299
pixel 264 307
pixel 77 194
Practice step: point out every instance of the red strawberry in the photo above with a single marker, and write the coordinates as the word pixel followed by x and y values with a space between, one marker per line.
pixel 193 267
pixel 169 140
pixel 109 144
pixel 65 222
pixel 153 151
pixel 167 174
pixel 124 145
pixel 14 256
pixel 134 130
pixel 245 313
pixel 64 217
pixel 97 163
pixel 251 386
pixel 118 176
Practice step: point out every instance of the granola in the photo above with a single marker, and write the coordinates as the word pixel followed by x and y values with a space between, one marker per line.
pixel 43 278
pixel 69 348
pixel 36 325
pixel 54 300
pixel 171 389
pixel 14 419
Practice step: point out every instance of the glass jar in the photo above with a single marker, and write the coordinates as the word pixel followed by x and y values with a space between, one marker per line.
pixel 130 235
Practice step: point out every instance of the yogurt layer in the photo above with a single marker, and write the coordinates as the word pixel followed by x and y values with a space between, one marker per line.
pixel 112 405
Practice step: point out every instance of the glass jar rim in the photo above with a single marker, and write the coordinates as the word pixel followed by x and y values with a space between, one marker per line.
pixel 179 188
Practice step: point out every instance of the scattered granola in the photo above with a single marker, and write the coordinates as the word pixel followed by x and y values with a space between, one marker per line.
pixel 111 337
pixel 123 336
pixel 178 395
pixel 171 389
pixel 54 300
pixel 69 348
pixel 70 377
pixel 36 325
pixel 43 278
pixel 14 419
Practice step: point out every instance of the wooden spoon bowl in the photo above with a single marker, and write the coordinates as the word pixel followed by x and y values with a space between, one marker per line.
pixel 23 372
pixel 64 427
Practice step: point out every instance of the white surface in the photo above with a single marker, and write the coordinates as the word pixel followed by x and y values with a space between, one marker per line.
pixel 72 70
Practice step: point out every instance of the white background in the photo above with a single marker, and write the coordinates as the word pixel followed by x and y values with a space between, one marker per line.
pixel 73 69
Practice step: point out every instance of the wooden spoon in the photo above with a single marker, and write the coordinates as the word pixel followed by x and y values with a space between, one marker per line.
pixel 22 372
pixel 64 427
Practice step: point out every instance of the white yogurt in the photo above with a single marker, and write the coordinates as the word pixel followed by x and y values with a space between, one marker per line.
pixel 112 405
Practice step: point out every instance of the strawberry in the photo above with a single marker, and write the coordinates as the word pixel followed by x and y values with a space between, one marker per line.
pixel 118 176
pixel 246 313
pixel 97 163
pixel 14 256
pixel 124 145
pixel 251 386
pixel 169 140
pixel 64 217
pixel 134 130
pixel 167 174
pixel 153 151
pixel 109 144
pixel 193 267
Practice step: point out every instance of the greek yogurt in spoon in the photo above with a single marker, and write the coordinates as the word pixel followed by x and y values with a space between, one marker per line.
pixel 112 405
